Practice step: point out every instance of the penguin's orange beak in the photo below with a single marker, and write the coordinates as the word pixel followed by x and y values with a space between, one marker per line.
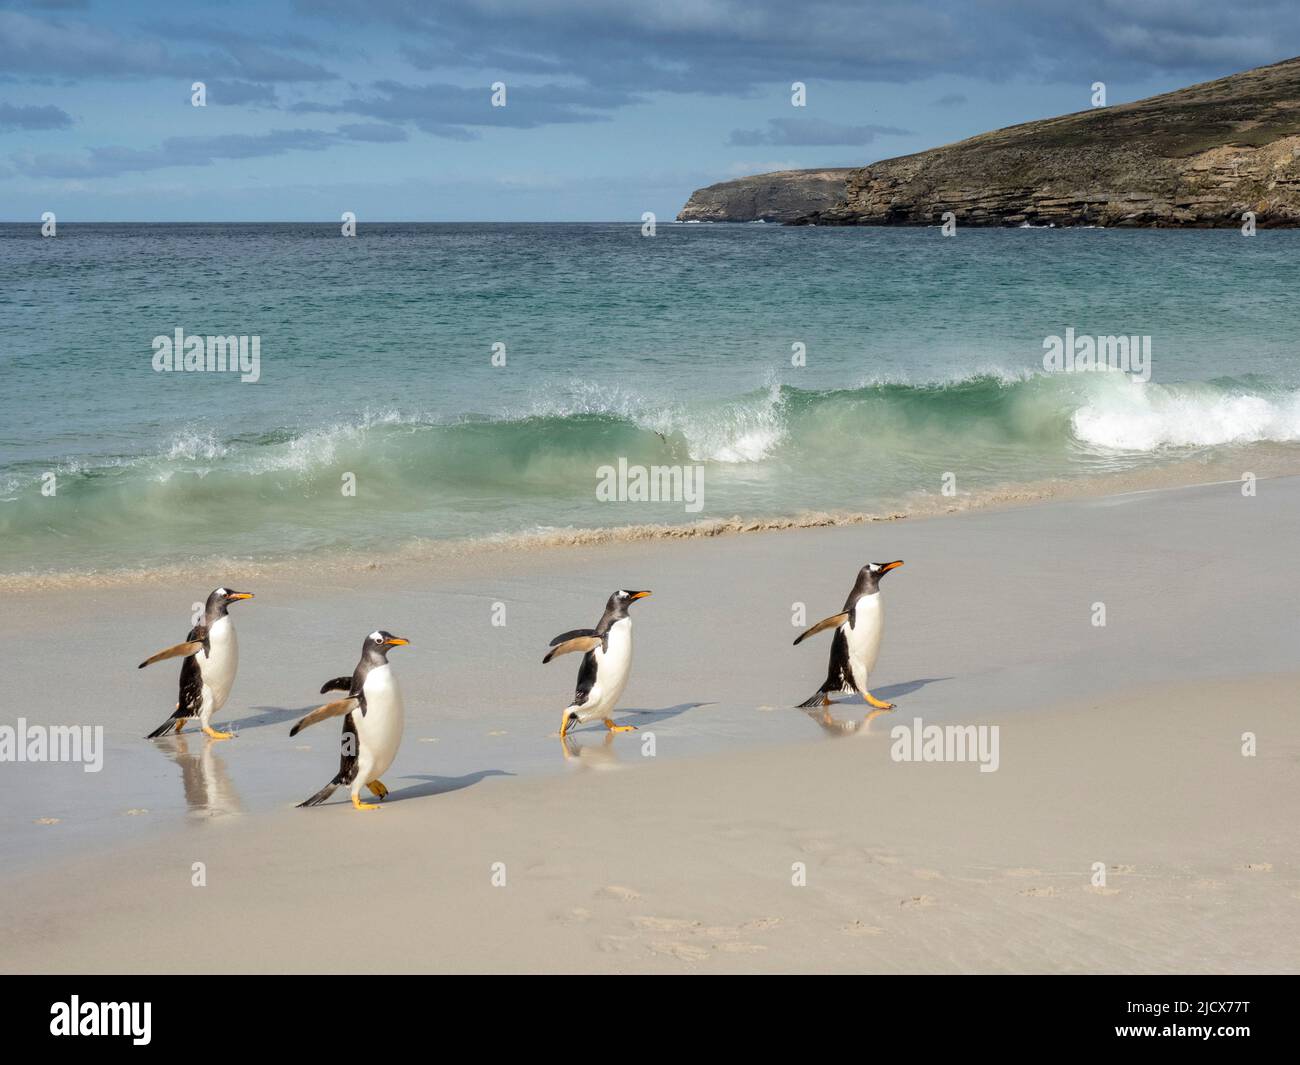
pixel 640 595
pixel 890 565
pixel 396 641
pixel 240 595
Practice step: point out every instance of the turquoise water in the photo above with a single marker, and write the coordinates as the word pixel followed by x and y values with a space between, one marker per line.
pixel 923 356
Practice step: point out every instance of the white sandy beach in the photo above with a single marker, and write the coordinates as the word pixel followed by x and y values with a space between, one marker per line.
pixel 1119 745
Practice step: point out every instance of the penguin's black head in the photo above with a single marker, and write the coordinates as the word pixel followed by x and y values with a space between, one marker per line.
pixel 870 574
pixel 222 598
pixel 378 643
pixel 621 600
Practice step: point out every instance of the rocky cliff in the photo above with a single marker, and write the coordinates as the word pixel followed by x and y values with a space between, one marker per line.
pixel 781 196
pixel 1201 156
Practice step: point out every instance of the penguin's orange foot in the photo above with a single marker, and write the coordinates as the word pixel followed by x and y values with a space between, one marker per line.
pixel 873 701
pixel 212 733
pixel 180 726
pixel 356 801
pixel 618 728
pixel 377 789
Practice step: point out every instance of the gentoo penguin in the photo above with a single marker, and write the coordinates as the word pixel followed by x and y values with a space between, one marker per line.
pixel 606 664
pixel 211 658
pixel 370 737
pixel 858 629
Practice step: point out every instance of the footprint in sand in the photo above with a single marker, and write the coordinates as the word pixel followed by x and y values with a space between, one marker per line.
pixel 134 813
pixel 857 928
pixel 666 924
pixel 917 902
pixel 1259 867
pixel 759 924
pixel 497 732
pixel 1123 869
pixel 1038 892
pixel 613 944
pixel 682 951
pixel 577 915
pixel 615 891
pixel 47 820
pixel 724 938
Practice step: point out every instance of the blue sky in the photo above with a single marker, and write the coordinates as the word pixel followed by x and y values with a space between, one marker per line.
pixel 614 107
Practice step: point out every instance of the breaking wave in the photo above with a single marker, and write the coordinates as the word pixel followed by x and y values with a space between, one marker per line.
pixel 777 450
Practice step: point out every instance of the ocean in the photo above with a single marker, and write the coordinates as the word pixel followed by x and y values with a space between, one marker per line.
pixel 435 384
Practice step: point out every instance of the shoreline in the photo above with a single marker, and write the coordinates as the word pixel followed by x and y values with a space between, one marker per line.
pixel 626 861
pixel 1272 462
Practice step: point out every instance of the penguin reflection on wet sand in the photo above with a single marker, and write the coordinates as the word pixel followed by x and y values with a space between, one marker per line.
pixel 211 660
pixel 606 663
pixel 841 727
pixel 372 725
pixel 856 643
pixel 208 789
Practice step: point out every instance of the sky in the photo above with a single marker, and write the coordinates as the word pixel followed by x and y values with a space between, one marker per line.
pixel 611 107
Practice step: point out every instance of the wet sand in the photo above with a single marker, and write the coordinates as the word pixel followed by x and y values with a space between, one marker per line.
pixel 1119 745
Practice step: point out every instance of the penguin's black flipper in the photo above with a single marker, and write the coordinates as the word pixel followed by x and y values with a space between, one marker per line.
pixel 578 643
pixel 334 709
pixel 570 635
pixel 832 622
pixel 338 684
pixel 189 647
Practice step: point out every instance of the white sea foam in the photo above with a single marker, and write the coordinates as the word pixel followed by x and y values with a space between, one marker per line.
pixel 736 431
pixel 740 432
pixel 196 445
pixel 1147 417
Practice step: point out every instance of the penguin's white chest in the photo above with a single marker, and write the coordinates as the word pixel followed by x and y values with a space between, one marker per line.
pixel 379 729
pixel 613 667
pixel 217 666
pixel 864 637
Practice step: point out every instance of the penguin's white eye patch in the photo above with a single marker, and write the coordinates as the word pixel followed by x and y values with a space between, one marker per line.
pixel 222 591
